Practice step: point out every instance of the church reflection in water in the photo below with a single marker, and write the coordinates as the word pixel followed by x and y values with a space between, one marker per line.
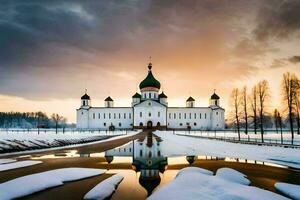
pixel 146 159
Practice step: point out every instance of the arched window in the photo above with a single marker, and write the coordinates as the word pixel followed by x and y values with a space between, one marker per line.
pixel 149 114
pixel 150 154
pixel 141 153
pixel 120 124
pixel 141 114
pixel 83 103
pixel 141 124
pixel 150 95
pixel 158 153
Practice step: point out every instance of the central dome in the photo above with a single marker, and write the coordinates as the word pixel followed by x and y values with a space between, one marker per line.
pixel 150 81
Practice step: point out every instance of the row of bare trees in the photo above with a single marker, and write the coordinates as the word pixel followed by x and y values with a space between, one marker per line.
pixel 252 108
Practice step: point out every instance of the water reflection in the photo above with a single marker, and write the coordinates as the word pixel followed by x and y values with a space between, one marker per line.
pixel 147 159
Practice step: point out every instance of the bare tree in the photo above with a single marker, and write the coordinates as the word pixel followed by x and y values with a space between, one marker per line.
pixel 253 100
pixel 263 94
pixel 290 87
pixel 235 101
pixel 297 107
pixel 244 103
pixel 279 120
pixel 56 118
pixel 276 119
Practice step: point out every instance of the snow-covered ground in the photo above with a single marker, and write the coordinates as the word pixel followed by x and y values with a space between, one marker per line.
pixel 129 134
pixel 104 189
pixel 175 145
pixel 19 164
pixel 6 160
pixel 269 136
pixel 29 184
pixel 226 184
pixel 289 190
pixel 23 140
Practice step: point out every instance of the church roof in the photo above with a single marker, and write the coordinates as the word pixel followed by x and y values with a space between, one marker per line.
pixel 150 81
pixel 136 95
pixel 190 99
pixel 85 96
pixel 108 99
pixel 162 95
pixel 214 96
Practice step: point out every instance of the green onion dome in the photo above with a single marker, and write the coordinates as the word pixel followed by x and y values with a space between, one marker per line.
pixel 214 96
pixel 190 99
pixel 162 95
pixel 108 99
pixel 150 81
pixel 136 96
pixel 85 97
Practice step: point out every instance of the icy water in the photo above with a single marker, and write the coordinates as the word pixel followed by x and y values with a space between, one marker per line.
pixel 146 169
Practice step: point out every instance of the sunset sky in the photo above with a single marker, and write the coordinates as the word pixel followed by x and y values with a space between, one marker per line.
pixel 50 51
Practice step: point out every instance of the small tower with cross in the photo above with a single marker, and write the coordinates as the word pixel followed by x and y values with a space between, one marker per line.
pixel 214 99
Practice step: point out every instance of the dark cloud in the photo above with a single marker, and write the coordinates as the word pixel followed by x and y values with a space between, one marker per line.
pixel 57 48
pixel 278 19
pixel 294 59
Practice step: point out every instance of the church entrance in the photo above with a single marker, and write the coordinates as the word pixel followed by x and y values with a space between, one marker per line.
pixel 149 125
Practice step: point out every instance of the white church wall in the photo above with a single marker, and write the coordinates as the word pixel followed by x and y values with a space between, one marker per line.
pixel 82 118
pixel 196 118
pixel 218 119
pixel 150 111
pixel 102 118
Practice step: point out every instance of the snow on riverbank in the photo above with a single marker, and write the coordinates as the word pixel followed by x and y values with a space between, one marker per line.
pixel 20 141
pixel 198 185
pixel 197 146
pixel 105 188
pixel 29 184
pixel 20 164
pixel 289 190
pixel 6 160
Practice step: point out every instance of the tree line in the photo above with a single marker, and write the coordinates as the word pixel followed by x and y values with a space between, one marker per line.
pixel 31 120
pixel 250 109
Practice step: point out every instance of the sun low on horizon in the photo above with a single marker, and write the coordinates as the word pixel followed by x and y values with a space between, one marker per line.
pixel 52 52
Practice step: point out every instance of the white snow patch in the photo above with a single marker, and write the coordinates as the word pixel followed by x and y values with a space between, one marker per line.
pixel 233 176
pixel 105 188
pixel 197 185
pixel 20 164
pixel 129 134
pixel 29 184
pixel 6 160
pixel 194 170
pixel 198 146
pixel 290 190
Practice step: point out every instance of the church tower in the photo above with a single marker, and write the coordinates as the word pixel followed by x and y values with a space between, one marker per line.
pixel 85 101
pixel 190 102
pixel 214 100
pixel 149 86
pixel 109 102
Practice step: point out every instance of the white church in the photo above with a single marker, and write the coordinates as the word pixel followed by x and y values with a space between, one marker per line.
pixel 150 109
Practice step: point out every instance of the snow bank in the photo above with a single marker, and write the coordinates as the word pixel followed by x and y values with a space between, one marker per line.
pixel 20 164
pixel 6 160
pixel 23 140
pixel 233 176
pixel 129 134
pixel 193 184
pixel 105 188
pixel 29 184
pixel 198 146
pixel 194 170
pixel 289 190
